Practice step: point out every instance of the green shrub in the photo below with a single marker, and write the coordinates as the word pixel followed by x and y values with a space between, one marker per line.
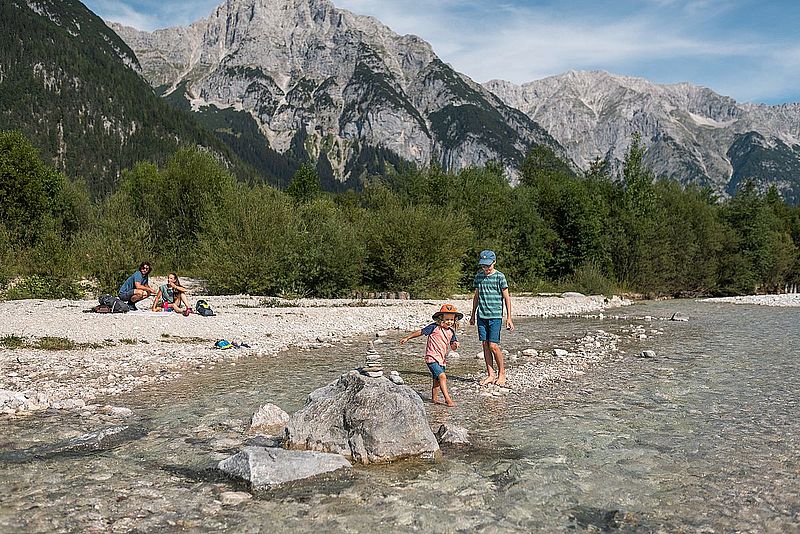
pixel 589 280
pixel 415 249
pixel 41 287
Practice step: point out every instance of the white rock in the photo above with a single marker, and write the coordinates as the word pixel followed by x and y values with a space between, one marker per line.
pixel 269 418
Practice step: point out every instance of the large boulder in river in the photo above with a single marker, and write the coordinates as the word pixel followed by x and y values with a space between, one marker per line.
pixel 264 467
pixel 370 420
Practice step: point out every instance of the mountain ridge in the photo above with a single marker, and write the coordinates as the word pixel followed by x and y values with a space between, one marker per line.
pixel 692 133
pixel 345 79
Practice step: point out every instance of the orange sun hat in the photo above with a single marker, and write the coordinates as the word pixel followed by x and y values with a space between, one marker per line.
pixel 448 308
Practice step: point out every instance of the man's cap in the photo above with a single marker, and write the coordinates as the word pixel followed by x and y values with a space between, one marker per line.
pixel 488 257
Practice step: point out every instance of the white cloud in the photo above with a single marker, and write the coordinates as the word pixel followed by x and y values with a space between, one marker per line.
pixel 121 12
pixel 521 42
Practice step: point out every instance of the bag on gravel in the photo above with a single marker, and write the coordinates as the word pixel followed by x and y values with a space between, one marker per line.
pixel 115 304
pixel 201 307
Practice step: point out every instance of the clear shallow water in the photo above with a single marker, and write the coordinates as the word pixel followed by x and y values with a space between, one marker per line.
pixel 705 437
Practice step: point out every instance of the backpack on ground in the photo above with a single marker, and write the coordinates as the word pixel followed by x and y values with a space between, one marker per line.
pixel 201 307
pixel 114 304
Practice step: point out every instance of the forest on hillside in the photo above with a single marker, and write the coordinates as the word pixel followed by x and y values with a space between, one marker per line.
pixel 414 230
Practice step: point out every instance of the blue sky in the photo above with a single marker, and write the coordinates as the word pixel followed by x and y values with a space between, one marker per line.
pixel 746 49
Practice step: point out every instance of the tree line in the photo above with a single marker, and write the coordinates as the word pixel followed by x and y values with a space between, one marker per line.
pixel 415 230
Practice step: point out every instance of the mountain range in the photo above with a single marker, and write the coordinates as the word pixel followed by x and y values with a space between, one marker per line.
pixel 267 84
pixel 345 82
pixel 692 134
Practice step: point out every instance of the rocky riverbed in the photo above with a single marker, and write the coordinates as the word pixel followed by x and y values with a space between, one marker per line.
pixel 54 356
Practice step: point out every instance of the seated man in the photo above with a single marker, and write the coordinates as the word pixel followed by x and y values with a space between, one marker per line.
pixel 137 287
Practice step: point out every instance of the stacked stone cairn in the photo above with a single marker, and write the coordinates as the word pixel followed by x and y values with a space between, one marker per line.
pixel 374 363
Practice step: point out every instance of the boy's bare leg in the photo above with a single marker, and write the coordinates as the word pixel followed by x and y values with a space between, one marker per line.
pixel 487 357
pixel 435 391
pixel 501 367
pixel 443 383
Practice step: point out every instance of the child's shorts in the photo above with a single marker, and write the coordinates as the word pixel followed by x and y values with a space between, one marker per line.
pixel 489 329
pixel 436 369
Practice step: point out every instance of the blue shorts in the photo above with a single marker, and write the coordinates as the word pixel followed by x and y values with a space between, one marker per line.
pixel 489 329
pixel 436 369
pixel 126 295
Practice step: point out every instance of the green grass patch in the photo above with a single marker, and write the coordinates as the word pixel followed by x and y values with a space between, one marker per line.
pixel 12 341
pixel 55 343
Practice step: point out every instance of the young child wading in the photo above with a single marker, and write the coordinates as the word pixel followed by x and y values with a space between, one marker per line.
pixel 441 339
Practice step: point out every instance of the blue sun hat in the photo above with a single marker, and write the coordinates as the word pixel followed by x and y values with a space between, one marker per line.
pixel 487 257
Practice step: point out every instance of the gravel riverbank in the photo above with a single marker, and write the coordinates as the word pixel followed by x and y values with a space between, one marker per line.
pixel 102 355
pixel 786 300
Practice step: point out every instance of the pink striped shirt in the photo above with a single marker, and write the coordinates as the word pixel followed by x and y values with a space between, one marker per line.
pixel 439 340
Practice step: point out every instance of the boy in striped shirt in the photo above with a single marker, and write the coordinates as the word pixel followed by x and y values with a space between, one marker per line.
pixel 491 292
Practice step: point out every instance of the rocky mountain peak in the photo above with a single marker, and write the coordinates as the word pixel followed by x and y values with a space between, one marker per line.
pixel 338 80
pixel 690 131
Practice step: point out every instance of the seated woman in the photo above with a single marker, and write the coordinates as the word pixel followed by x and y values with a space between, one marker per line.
pixel 172 293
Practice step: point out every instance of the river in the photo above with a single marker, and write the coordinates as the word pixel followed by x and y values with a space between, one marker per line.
pixel 705 437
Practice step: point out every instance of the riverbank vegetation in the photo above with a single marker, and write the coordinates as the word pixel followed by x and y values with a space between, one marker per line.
pixel 414 230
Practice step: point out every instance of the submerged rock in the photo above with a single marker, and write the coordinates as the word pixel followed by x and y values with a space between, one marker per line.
pixel 452 435
pixel 367 419
pixel 269 419
pixel 99 440
pixel 264 468
pixel 232 498
pixel 103 439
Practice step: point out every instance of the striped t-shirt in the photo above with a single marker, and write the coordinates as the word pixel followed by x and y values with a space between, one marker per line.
pixel 490 294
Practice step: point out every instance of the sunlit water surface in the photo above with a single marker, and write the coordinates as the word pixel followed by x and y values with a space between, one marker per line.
pixel 703 438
